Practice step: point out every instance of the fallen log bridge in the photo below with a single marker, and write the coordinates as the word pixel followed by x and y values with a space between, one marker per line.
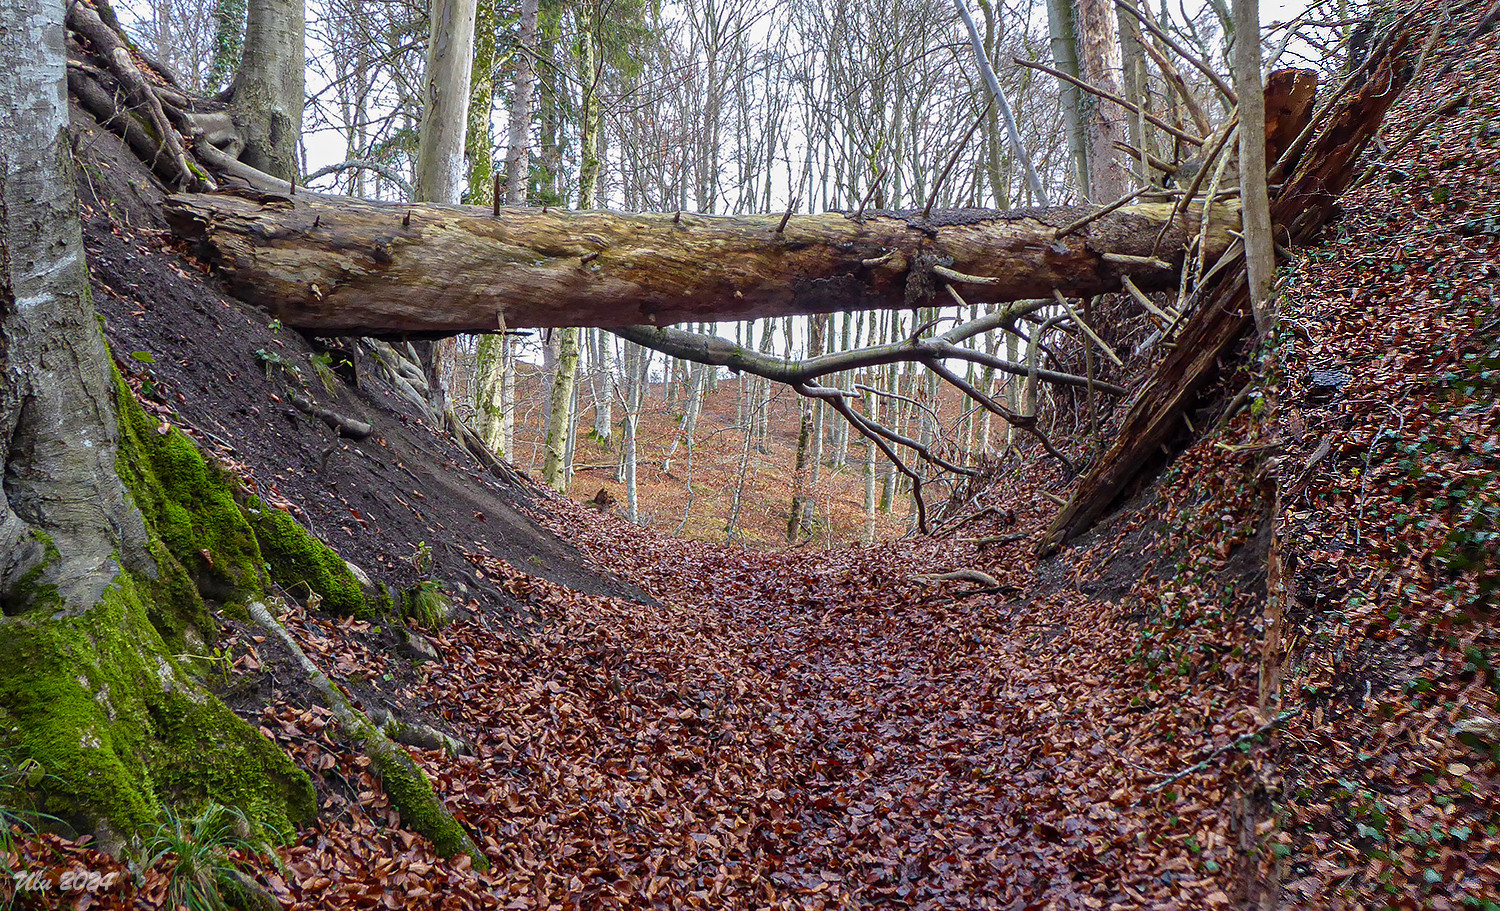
pixel 334 265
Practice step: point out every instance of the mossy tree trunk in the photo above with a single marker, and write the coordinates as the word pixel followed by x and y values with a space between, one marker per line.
pixel 96 607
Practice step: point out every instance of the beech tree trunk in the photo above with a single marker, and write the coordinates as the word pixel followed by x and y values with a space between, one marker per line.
pixel 94 609
pixel 445 115
pixel 1062 26
pixel 518 133
pixel 266 96
pixel 347 266
pixel 1099 62
pixel 1260 255
pixel 58 433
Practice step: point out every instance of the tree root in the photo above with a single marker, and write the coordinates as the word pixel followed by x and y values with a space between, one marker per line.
pixel 410 791
pixel 959 575
pixel 343 426
pixel 145 102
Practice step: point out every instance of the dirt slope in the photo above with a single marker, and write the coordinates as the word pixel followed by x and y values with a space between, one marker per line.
pixel 223 369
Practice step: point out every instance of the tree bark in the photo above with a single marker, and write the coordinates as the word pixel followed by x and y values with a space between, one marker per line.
pixel 445 116
pixel 336 265
pixel 555 466
pixel 95 610
pixel 266 96
pixel 1260 253
pixel 518 133
pixel 1099 61
pixel 479 143
pixel 1062 26
pixel 58 434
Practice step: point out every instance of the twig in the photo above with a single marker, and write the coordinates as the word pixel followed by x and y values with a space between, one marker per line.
pixel 781 228
pixel 1130 106
pixel 1100 213
pixel 997 539
pixel 1144 301
pixel 870 193
pixel 1166 39
pixel 973 516
pixel 1208 760
pixel 1125 259
pixel 1078 321
pixel 953 275
pixel 937 185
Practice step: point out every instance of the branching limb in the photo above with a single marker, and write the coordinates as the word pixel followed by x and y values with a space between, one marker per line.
pixel 1208 760
pixel 1179 85
pixel 1025 423
pixel 365 164
pixel 864 426
pixel 1177 48
pixel 719 352
pixel 1130 106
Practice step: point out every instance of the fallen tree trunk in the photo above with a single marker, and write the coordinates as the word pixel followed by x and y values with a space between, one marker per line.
pixel 1155 424
pixel 334 265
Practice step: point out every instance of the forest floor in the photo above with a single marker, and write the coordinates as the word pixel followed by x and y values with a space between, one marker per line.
pixel 1150 719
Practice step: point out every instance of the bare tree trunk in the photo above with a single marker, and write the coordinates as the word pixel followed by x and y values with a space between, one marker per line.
pixel 604 393
pixel 490 404
pixel 445 120
pixel 555 467
pixel 1062 25
pixel 636 365
pixel 266 96
pixel 1260 253
pixel 479 143
pixel 1133 75
pixel 872 410
pixel 517 137
pixel 1099 61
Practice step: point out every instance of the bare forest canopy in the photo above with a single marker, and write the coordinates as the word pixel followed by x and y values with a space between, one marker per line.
pixel 1185 254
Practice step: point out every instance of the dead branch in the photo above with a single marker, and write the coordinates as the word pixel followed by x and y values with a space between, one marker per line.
pixel 1179 85
pixel 1130 106
pixel 958 575
pixel 1200 65
pixel 343 426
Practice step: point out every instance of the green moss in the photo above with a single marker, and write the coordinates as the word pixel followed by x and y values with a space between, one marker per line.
pixel 412 794
pixel 427 604
pixel 421 811
pixel 29 592
pixel 188 503
pixel 98 699
pixel 241 763
pixel 298 559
